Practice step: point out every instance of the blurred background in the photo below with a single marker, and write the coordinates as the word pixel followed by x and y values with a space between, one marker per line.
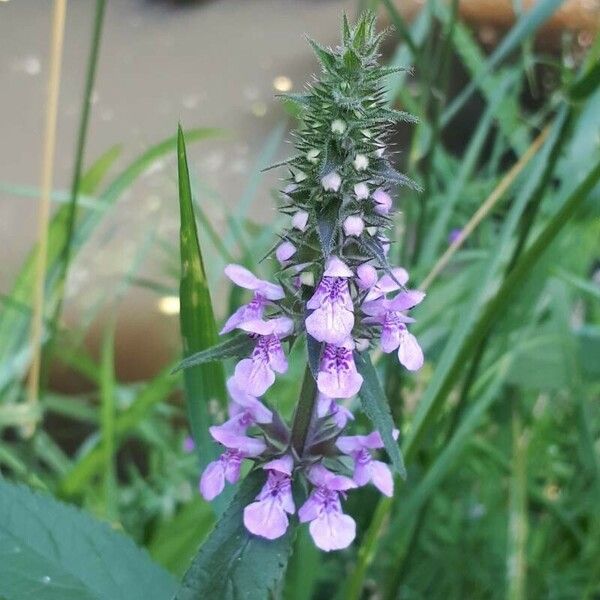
pixel 514 440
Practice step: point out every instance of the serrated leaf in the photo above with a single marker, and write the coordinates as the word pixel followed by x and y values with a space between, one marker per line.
pixel 327 225
pixel 52 551
pixel 376 407
pixel 233 564
pixel 326 58
pixel 237 346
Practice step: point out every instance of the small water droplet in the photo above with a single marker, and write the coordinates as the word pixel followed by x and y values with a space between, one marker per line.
pixel 46 579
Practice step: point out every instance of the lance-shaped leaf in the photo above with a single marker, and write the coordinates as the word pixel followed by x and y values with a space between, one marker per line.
pixel 198 329
pixel 52 551
pixel 237 346
pixel 376 407
pixel 234 564
pixel 328 224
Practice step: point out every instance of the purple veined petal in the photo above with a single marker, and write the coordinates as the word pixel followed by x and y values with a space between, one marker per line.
pixel 353 225
pixel 383 201
pixel 249 446
pixel 331 323
pixel 266 518
pixel 406 300
pixel 256 375
pixel 241 315
pixel 366 276
pixel 212 481
pixel 285 251
pixel 361 191
pixel 333 530
pixel 382 479
pixel 334 267
pixel 348 444
pixel 387 283
pixel 410 353
pixel 338 377
pixel 299 220
pixel 320 476
pixel 284 465
pixel 331 182
pixel 372 441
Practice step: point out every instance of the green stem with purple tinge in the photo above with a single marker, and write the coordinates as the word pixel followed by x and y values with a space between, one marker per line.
pixel 304 412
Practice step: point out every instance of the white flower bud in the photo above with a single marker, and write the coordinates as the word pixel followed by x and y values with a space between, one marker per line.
pixel 361 190
pixel 361 162
pixel 353 225
pixel 331 182
pixel 299 220
pixel 338 127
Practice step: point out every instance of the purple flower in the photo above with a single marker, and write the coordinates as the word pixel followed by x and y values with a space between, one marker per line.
pixel 338 377
pixel 227 466
pixel 256 374
pixel 333 316
pixel 284 252
pixel 329 527
pixel 331 182
pixel 383 201
pixel 394 334
pixel 244 410
pixel 387 283
pixel 353 225
pixel 339 414
pixel 264 292
pixel 365 468
pixel 267 517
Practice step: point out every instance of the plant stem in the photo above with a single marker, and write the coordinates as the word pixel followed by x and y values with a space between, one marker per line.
pixel 304 412
pixel 58 31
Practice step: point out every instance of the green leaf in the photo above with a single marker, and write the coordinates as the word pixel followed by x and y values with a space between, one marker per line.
pixel 52 551
pixel 327 225
pixel 203 383
pixel 376 407
pixel 326 58
pixel 237 346
pixel 233 564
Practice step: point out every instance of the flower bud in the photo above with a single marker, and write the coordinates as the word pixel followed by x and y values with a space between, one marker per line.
pixel 312 155
pixel 361 162
pixel 383 201
pixel 331 182
pixel 284 252
pixel 353 225
pixel 299 220
pixel 338 127
pixel 361 190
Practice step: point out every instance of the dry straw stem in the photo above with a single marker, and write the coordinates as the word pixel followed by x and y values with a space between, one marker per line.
pixel 484 209
pixel 56 46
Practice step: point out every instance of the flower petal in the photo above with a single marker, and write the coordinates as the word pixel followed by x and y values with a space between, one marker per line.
pixel 382 479
pixel 212 481
pixel 254 375
pixel 410 353
pixel 266 519
pixel 333 531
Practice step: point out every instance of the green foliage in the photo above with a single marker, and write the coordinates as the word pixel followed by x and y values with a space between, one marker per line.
pixel 51 550
pixel 233 563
